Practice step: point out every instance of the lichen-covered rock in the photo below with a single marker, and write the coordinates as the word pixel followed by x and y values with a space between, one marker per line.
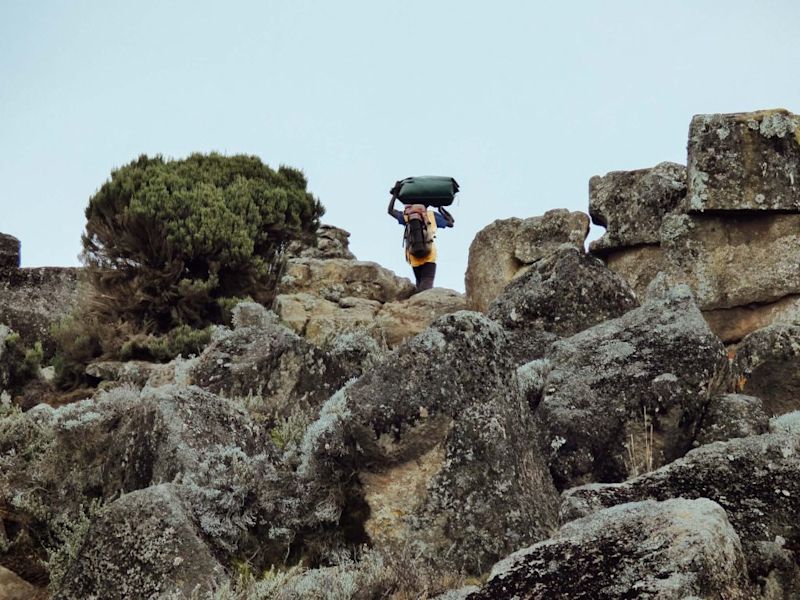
pixel 734 260
pixel 9 252
pixel 441 440
pixel 638 266
pixel 655 363
pixel 767 365
pixel 731 416
pixel 337 278
pixel 632 204
pixel 564 293
pixel 271 367
pixel 319 320
pixel 331 242
pixel 672 550
pixel 755 479
pixel 744 161
pixel 32 300
pixel 143 545
pixel 503 248
pixel 398 321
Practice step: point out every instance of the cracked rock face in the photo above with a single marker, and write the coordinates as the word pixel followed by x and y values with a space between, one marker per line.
pixel 731 416
pixel 442 425
pixel 755 479
pixel 632 204
pixel 503 249
pixel 655 363
pixel 744 161
pixel 767 365
pixel 9 252
pixel 672 550
pixel 564 293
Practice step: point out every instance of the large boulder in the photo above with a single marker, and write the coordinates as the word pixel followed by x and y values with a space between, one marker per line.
pixel 503 248
pixel 337 278
pixel 32 300
pixel 639 381
pixel 564 293
pixel 632 204
pixel 331 242
pixel 744 161
pixel 9 252
pixel 143 545
pixel 269 366
pixel 671 550
pixel 734 260
pixel 638 265
pixel 767 365
pixel 755 479
pixel 440 439
pixel 733 324
pixel 731 416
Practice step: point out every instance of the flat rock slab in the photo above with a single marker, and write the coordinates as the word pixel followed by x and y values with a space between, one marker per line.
pixel 632 204
pixel 744 161
pixel 669 550
pixel 731 260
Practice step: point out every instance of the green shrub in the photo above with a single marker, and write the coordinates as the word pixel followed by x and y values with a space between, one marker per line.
pixel 165 240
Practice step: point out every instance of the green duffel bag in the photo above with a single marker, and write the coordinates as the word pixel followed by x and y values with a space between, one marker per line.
pixel 430 190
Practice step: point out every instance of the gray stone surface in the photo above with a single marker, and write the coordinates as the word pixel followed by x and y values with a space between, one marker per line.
pixel 755 479
pixel 670 550
pixel 660 358
pixel 638 265
pixel 744 161
pixel 143 545
pixel 732 416
pixel 505 247
pixel 733 260
pixel 563 293
pixel 337 278
pixel 632 204
pixel 332 242
pixel 767 365
pixel 441 440
pixel 9 252
pixel 32 300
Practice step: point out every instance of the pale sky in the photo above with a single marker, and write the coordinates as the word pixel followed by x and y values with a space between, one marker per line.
pixel 521 102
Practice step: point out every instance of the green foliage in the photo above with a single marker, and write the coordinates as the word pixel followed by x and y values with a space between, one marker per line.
pixel 182 340
pixel 165 240
pixel 21 364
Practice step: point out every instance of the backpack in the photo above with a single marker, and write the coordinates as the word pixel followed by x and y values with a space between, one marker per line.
pixel 418 235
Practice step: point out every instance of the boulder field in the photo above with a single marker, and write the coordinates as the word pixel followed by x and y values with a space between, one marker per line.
pixel 617 423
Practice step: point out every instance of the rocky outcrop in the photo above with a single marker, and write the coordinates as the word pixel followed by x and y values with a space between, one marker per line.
pixel 767 365
pixel 632 204
pixel 337 278
pixel 33 300
pixel 744 161
pixel 440 438
pixel 9 252
pixel 755 479
pixel 672 550
pixel 732 238
pixel 331 242
pixel 654 366
pixel 503 249
pixel 564 293
pixel 273 369
pixel 143 545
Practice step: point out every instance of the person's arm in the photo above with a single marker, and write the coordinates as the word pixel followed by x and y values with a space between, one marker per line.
pixel 448 218
pixel 393 212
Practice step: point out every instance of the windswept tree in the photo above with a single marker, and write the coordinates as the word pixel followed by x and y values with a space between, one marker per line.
pixel 167 242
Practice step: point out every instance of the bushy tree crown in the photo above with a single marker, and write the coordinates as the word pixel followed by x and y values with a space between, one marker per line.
pixel 166 240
